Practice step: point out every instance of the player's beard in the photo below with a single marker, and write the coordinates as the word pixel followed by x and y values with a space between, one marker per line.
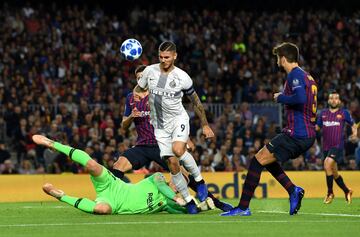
pixel 166 67
pixel 334 106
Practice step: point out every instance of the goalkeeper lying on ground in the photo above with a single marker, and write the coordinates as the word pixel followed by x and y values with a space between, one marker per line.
pixel 113 196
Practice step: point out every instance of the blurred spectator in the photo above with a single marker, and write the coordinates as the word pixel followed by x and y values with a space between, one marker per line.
pixel 9 168
pixel 4 153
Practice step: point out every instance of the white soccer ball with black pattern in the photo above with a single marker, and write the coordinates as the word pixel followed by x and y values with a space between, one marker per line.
pixel 131 49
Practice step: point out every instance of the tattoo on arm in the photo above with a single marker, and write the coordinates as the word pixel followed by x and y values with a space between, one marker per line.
pixel 198 108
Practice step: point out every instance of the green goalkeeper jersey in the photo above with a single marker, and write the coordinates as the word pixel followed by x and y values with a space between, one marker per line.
pixel 150 195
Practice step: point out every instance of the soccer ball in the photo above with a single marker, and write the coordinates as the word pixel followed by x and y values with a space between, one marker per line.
pixel 131 49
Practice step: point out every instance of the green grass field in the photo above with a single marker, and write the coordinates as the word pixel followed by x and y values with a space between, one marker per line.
pixel 270 218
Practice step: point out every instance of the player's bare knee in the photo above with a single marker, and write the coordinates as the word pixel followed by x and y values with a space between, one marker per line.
pixel 102 209
pixel 178 151
pixel 260 156
pixel 328 163
pixel 122 164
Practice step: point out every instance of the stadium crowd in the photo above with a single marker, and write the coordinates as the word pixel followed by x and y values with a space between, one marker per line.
pixel 61 74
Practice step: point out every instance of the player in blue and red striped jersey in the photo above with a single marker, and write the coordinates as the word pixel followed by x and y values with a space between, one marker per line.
pixel 137 110
pixel 332 122
pixel 146 148
pixel 299 97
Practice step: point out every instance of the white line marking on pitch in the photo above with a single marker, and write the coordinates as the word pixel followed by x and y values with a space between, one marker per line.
pixel 56 207
pixel 314 214
pixel 242 220
pixel 278 212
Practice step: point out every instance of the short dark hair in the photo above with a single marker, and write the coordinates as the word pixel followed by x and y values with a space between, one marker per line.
pixel 289 50
pixel 140 68
pixel 167 46
pixel 333 92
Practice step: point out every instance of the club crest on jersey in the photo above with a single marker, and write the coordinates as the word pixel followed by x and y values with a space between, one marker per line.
pixel 172 84
pixel 339 116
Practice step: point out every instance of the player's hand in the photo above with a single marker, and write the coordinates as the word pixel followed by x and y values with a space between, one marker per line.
pixel 208 132
pixel 353 138
pixel 276 95
pixel 135 113
pixel 180 201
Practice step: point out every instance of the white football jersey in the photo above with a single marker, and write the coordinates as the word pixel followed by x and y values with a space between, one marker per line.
pixel 166 92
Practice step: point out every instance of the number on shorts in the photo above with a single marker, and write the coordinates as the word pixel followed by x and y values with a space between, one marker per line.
pixel 182 127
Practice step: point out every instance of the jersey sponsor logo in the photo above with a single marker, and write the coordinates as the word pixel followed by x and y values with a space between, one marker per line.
pixel 331 123
pixel 163 93
pixel 144 113
pixel 149 201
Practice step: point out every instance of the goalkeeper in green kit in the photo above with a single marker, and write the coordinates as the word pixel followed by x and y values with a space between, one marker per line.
pixel 113 196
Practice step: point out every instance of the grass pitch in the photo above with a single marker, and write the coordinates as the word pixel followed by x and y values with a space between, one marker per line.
pixel 269 218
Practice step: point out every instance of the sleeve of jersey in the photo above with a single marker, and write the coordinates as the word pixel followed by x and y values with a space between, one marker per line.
pixel 127 111
pixel 319 121
pixel 348 117
pixel 143 80
pixel 174 208
pixel 159 180
pixel 188 88
pixel 298 96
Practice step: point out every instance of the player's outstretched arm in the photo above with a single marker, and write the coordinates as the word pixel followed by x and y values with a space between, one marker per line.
pixel 159 180
pixel 298 97
pixel 200 111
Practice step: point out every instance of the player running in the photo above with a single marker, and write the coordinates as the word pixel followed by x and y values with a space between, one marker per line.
pixel 113 196
pixel 332 122
pixel 137 110
pixel 167 84
pixel 299 97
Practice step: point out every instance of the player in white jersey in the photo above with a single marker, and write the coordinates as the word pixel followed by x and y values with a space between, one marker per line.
pixel 167 84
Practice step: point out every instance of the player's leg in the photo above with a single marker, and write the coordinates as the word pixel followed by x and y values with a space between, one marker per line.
pixel 337 155
pixel 76 155
pixel 187 160
pixel 153 154
pixel 83 204
pixel 80 157
pixel 218 204
pixel 121 166
pixel 267 158
pixel 180 137
pixel 328 167
pixel 132 159
pixel 165 144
